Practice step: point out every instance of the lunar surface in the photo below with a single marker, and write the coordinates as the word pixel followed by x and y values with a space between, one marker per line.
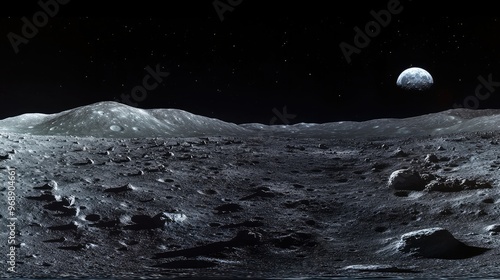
pixel 415 78
pixel 108 190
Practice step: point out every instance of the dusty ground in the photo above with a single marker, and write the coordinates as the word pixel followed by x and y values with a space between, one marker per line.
pixel 262 207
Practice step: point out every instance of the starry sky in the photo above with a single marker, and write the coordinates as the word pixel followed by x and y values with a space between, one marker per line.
pixel 276 62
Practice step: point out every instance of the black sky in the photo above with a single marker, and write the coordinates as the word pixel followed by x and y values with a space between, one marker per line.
pixel 264 56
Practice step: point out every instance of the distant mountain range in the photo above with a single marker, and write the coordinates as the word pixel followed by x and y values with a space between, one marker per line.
pixel 115 120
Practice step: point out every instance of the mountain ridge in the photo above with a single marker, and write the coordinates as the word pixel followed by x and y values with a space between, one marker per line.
pixel 111 119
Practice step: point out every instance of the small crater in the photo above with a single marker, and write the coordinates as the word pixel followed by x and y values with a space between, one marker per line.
pixel 167 180
pixel 210 192
pixel 228 208
pixel 116 128
pixel 488 200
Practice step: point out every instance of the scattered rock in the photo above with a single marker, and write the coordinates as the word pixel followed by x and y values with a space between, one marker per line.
pixel 64 201
pixel 186 157
pixel 125 188
pixel 428 243
pixel 169 154
pixel 51 185
pixel 65 205
pixel 493 228
pixel 431 158
pixel 323 146
pixel 158 168
pixel 406 179
pixel 80 149
pixel 143 222
pixel 456 185
pixel 166 218
pixel 399 153
pixel 5 157
pixel 68 200
pixel 436 243
pixel 428 177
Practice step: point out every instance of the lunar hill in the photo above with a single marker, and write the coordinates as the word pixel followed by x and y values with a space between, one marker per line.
pixel 115 120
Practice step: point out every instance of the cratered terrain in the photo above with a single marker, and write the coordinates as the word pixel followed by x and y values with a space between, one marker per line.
pixel 108 190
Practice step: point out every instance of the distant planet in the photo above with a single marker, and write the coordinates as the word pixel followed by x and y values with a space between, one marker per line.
pixel 415 78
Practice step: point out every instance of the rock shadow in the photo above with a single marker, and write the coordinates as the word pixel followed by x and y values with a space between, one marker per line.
pixel 242 239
